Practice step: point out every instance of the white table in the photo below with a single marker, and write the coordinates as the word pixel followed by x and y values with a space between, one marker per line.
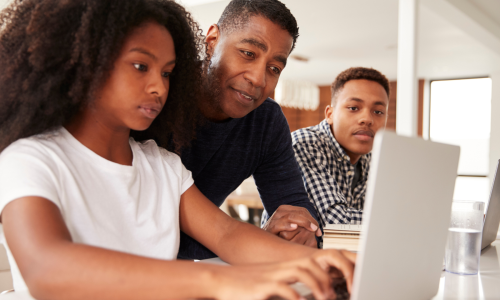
pixel 485 285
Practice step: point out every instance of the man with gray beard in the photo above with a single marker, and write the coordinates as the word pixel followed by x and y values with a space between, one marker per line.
pixel 245 132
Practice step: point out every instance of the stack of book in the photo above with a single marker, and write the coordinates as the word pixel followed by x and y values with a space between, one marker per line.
pixel 341 236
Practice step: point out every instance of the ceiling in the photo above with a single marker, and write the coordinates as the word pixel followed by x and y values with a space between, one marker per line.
pixel 338 34
pixel 489 7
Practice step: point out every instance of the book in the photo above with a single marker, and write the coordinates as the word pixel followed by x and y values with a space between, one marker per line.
pixel 341 236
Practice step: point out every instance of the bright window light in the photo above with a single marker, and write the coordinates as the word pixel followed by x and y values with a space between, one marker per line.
pixel 460 114
pixel 472 188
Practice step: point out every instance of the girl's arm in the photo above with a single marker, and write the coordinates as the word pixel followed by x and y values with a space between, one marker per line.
pixel 54 267
pixel 241 243
pixel 233 241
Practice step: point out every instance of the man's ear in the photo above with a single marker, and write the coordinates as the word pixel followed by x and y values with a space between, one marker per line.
pixel 329 114
pixel 213 36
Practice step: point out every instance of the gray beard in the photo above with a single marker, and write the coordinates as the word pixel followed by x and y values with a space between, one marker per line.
pixel 212 87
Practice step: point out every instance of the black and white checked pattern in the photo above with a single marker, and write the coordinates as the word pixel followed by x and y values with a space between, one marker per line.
pixel 327 173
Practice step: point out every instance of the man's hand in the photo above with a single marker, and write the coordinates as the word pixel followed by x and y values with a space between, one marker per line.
pixel 294 224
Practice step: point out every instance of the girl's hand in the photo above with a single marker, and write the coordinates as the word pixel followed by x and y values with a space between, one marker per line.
pixel 338 263
pixel 265 281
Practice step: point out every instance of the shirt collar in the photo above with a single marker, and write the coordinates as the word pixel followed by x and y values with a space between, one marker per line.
pixel 339 152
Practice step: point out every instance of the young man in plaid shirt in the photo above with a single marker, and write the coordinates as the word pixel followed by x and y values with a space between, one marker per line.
pixel 334 156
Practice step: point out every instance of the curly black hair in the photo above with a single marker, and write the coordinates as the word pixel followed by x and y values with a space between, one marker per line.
pixel 55 54
pixel 237 13
pixel 358 73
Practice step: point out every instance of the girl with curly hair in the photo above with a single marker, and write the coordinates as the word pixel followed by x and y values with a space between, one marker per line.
pixel 87 211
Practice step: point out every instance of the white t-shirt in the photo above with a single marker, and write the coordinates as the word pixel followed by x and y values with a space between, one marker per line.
pixel 132 209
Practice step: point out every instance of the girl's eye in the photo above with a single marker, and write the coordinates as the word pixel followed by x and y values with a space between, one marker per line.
pixel 275 70
pixel 352 108
pixel 141 67
pixel 378 112
pixel 166 74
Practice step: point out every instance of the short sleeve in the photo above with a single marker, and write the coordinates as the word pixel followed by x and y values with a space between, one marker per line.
pixel 176 164
pixel 25 170
pixel 187 178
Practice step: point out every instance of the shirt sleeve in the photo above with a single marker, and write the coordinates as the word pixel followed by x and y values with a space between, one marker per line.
pixel 278 177
pixel 178 167
pixel 26 171
pixel 186 177
pixel 322 187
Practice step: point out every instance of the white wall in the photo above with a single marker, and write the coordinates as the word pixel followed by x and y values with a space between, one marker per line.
pixel 495 123
pixel 495 126
pixel 3 3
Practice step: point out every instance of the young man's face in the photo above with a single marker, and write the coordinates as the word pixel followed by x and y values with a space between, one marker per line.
pixel 359 111
pixel 245 67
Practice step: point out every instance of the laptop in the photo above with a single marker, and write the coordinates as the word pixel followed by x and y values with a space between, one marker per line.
pixel 406 217
pixel 492 220
pixel 405 220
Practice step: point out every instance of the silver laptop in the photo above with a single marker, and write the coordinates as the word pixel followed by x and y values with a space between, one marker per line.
pixel 492 221
pixel 406 217
pixel 405 220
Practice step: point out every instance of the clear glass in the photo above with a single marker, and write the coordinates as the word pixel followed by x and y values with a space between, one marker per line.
pixel 463 247
pixel 452 102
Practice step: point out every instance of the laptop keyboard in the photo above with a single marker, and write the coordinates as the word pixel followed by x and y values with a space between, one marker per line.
pixel 339 286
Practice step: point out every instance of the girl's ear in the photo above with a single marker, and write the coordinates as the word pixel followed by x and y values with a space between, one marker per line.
pixel 213 36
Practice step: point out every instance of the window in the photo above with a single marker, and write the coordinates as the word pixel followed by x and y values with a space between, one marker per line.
pixel 460 114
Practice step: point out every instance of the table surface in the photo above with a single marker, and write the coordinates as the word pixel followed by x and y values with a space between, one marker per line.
pixel 250 200
pixel 485 285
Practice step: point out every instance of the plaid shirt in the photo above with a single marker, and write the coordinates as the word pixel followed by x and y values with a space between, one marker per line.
pixel 327 173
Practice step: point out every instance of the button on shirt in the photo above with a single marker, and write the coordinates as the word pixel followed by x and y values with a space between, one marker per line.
pixel 329 176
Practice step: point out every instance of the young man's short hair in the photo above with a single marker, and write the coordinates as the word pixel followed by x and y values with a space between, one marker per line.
pixel 358 73
pixel 237 13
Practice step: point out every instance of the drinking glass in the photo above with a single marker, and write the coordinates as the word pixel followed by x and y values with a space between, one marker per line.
pixel 463 247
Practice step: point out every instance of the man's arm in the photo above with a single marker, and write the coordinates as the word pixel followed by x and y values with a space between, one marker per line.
pixel 278 179
pixel 323 188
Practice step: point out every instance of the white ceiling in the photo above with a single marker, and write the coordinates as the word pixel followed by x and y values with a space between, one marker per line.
pixel 489 7
pixel 338 34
